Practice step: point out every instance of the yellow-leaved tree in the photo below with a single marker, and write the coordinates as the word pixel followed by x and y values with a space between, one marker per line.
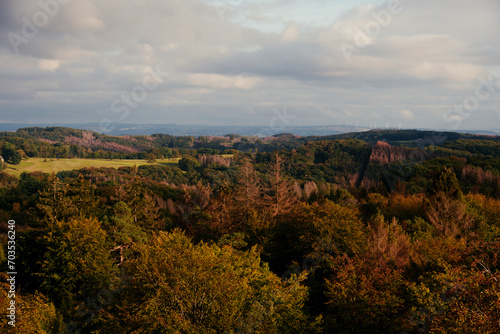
pixel 180 287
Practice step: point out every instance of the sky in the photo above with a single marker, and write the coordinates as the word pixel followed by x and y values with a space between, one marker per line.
pixel 408 63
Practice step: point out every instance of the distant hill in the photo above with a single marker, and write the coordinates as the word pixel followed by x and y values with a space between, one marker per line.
pixel 65 137
pixel 122 129
pixel 413 138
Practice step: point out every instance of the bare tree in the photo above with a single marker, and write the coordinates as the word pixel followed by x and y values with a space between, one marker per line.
pixel 282 194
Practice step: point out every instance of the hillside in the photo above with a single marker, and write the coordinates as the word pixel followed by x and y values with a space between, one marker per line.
pixel 134 144
pixel 390 231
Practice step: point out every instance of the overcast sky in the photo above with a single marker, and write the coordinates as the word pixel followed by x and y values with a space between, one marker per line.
pixel 420 63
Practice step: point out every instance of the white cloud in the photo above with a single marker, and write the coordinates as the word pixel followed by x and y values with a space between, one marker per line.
pixel 221 81
pixel 290 33
pixel 405 114
pixel 260 54
pixel 49 64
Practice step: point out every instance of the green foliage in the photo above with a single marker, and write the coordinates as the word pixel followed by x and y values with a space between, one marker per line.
pixel 476 146
pixel 189 163
pixel 29 184
pixel 316 229
pixel 353 257
pixel 122 232
pixel 163 174
pixel 447 183
pixel 61 201
pixel 179 287
pixel 10 154
pixel 75 263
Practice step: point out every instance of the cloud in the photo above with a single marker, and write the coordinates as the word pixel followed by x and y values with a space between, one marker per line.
pixel 290 33
pixel 221 82
pixel 48 64
pixel 405 114
pixel 256 55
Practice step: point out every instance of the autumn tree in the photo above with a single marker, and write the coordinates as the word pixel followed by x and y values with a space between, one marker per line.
pixel 191 208
pixel 470 305
pixel 449 216
pixel 179 287
pixel 281 191
pixel 218 213
pixel 364 296
pixel 34 312
pixel 248 195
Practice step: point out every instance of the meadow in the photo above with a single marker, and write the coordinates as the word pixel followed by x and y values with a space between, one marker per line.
pixel 57 165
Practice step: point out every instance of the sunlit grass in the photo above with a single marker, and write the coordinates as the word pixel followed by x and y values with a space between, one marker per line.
pixel 56 165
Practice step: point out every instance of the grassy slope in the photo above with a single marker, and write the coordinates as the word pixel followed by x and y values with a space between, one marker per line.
pixel 57 165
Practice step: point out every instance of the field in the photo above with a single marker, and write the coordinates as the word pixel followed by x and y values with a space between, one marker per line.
pixel 57 165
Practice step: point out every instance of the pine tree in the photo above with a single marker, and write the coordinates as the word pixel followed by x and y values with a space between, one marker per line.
pixel 447 183
pixel 53 203
pixel 122 233
pixel 84 203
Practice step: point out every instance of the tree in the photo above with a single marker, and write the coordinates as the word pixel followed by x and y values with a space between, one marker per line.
pixel 449 216
pixel 315 230
pixel 248 194
pixel 10 154
pixel 61 201
pixel 34 313
pixel 140 200
pixel 471 305
pixel 364 296
pixel 53 203
pixel 189 163
pixel 122 232
pixel 150 158
pixel 446 182
pixel 192 206
pixel 179 287
pixel 29 184
pixel 282 194
pixel 75 263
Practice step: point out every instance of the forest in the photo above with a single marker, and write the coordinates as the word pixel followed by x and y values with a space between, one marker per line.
pixel 382 231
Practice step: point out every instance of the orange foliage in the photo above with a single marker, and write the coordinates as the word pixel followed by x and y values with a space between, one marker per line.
pixel 404 206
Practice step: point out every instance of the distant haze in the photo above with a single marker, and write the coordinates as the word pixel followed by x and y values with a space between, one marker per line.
pixel 211 130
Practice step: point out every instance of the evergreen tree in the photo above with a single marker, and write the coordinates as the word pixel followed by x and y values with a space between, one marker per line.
pixel 122 232
pixel 75 263
pixel 446 182
pixel 53 204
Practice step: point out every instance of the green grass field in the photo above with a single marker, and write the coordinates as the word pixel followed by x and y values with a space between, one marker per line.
pixel 57 165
